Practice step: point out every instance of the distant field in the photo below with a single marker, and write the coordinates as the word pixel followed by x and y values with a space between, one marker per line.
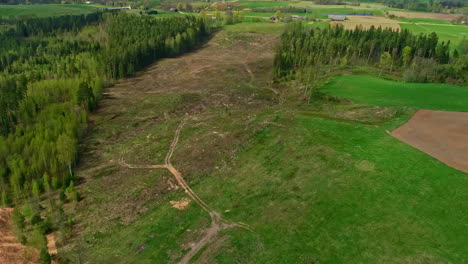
pixel 448 17
pixel 254 4
pixel 323 12
pixel 367 21
pixel 7 11
pixel 276 28
pixel 320 12
pixel 371 90
pixel 445 32
pixel 424 20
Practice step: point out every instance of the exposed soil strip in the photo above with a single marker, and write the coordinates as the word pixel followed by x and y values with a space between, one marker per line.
pixel 218 223
pixel 441 134
pixel 12 251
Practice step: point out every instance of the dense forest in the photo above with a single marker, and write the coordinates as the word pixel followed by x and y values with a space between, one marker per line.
pixel 52 72
pixel 308 54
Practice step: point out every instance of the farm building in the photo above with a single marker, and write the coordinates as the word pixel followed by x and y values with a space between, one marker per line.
pixel 337 17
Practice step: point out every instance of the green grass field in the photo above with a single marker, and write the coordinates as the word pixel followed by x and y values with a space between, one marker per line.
pixel 254 4
pixel 273 28
pixel 353 195
pixel 424 20
pixel 371 90
pixel 454 33
pixel 47 10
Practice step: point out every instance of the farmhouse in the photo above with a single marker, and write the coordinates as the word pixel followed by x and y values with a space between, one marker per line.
pixel 337 17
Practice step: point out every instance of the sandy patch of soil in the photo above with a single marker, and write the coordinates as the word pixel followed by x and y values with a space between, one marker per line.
pixel 448 17
pixel 367 21
pixel 51 246
pixel 181 204
pixel 441 134
pixel 11 251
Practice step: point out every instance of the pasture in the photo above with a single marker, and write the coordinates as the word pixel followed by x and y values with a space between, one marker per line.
pixel 364 89
pixel 424 21
pixel 454 33
pixel 46 10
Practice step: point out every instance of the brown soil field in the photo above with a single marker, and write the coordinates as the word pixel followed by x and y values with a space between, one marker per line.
pixel 11 251
pixel 441 134
pixel 448 17
pixel 368 21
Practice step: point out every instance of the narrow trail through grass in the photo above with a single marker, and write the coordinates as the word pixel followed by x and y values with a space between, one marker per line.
pixel 218 223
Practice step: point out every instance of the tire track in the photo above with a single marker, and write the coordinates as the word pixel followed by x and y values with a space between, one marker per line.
pixel 218 223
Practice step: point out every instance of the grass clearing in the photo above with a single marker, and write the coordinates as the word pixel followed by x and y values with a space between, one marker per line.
pixel 375 91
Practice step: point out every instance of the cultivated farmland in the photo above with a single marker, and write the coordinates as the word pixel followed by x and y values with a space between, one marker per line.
pixel 448 17
pixel 367 21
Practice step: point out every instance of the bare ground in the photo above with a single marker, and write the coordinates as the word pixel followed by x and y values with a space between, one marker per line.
pixel 441 134
pixel 11 250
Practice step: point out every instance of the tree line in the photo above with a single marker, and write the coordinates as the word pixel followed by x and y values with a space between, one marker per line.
pixel 423 5
pixel 134 42
pixel 305 51
pixel 51 78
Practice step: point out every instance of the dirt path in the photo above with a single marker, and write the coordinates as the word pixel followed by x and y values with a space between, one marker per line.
pixel 218 223
pixel 12 251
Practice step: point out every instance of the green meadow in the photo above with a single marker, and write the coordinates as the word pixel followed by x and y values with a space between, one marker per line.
pixel 454 33
pixel 46 10
pixel 353 195
pixel 254 4
pixel 366 89
pixel 424 20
